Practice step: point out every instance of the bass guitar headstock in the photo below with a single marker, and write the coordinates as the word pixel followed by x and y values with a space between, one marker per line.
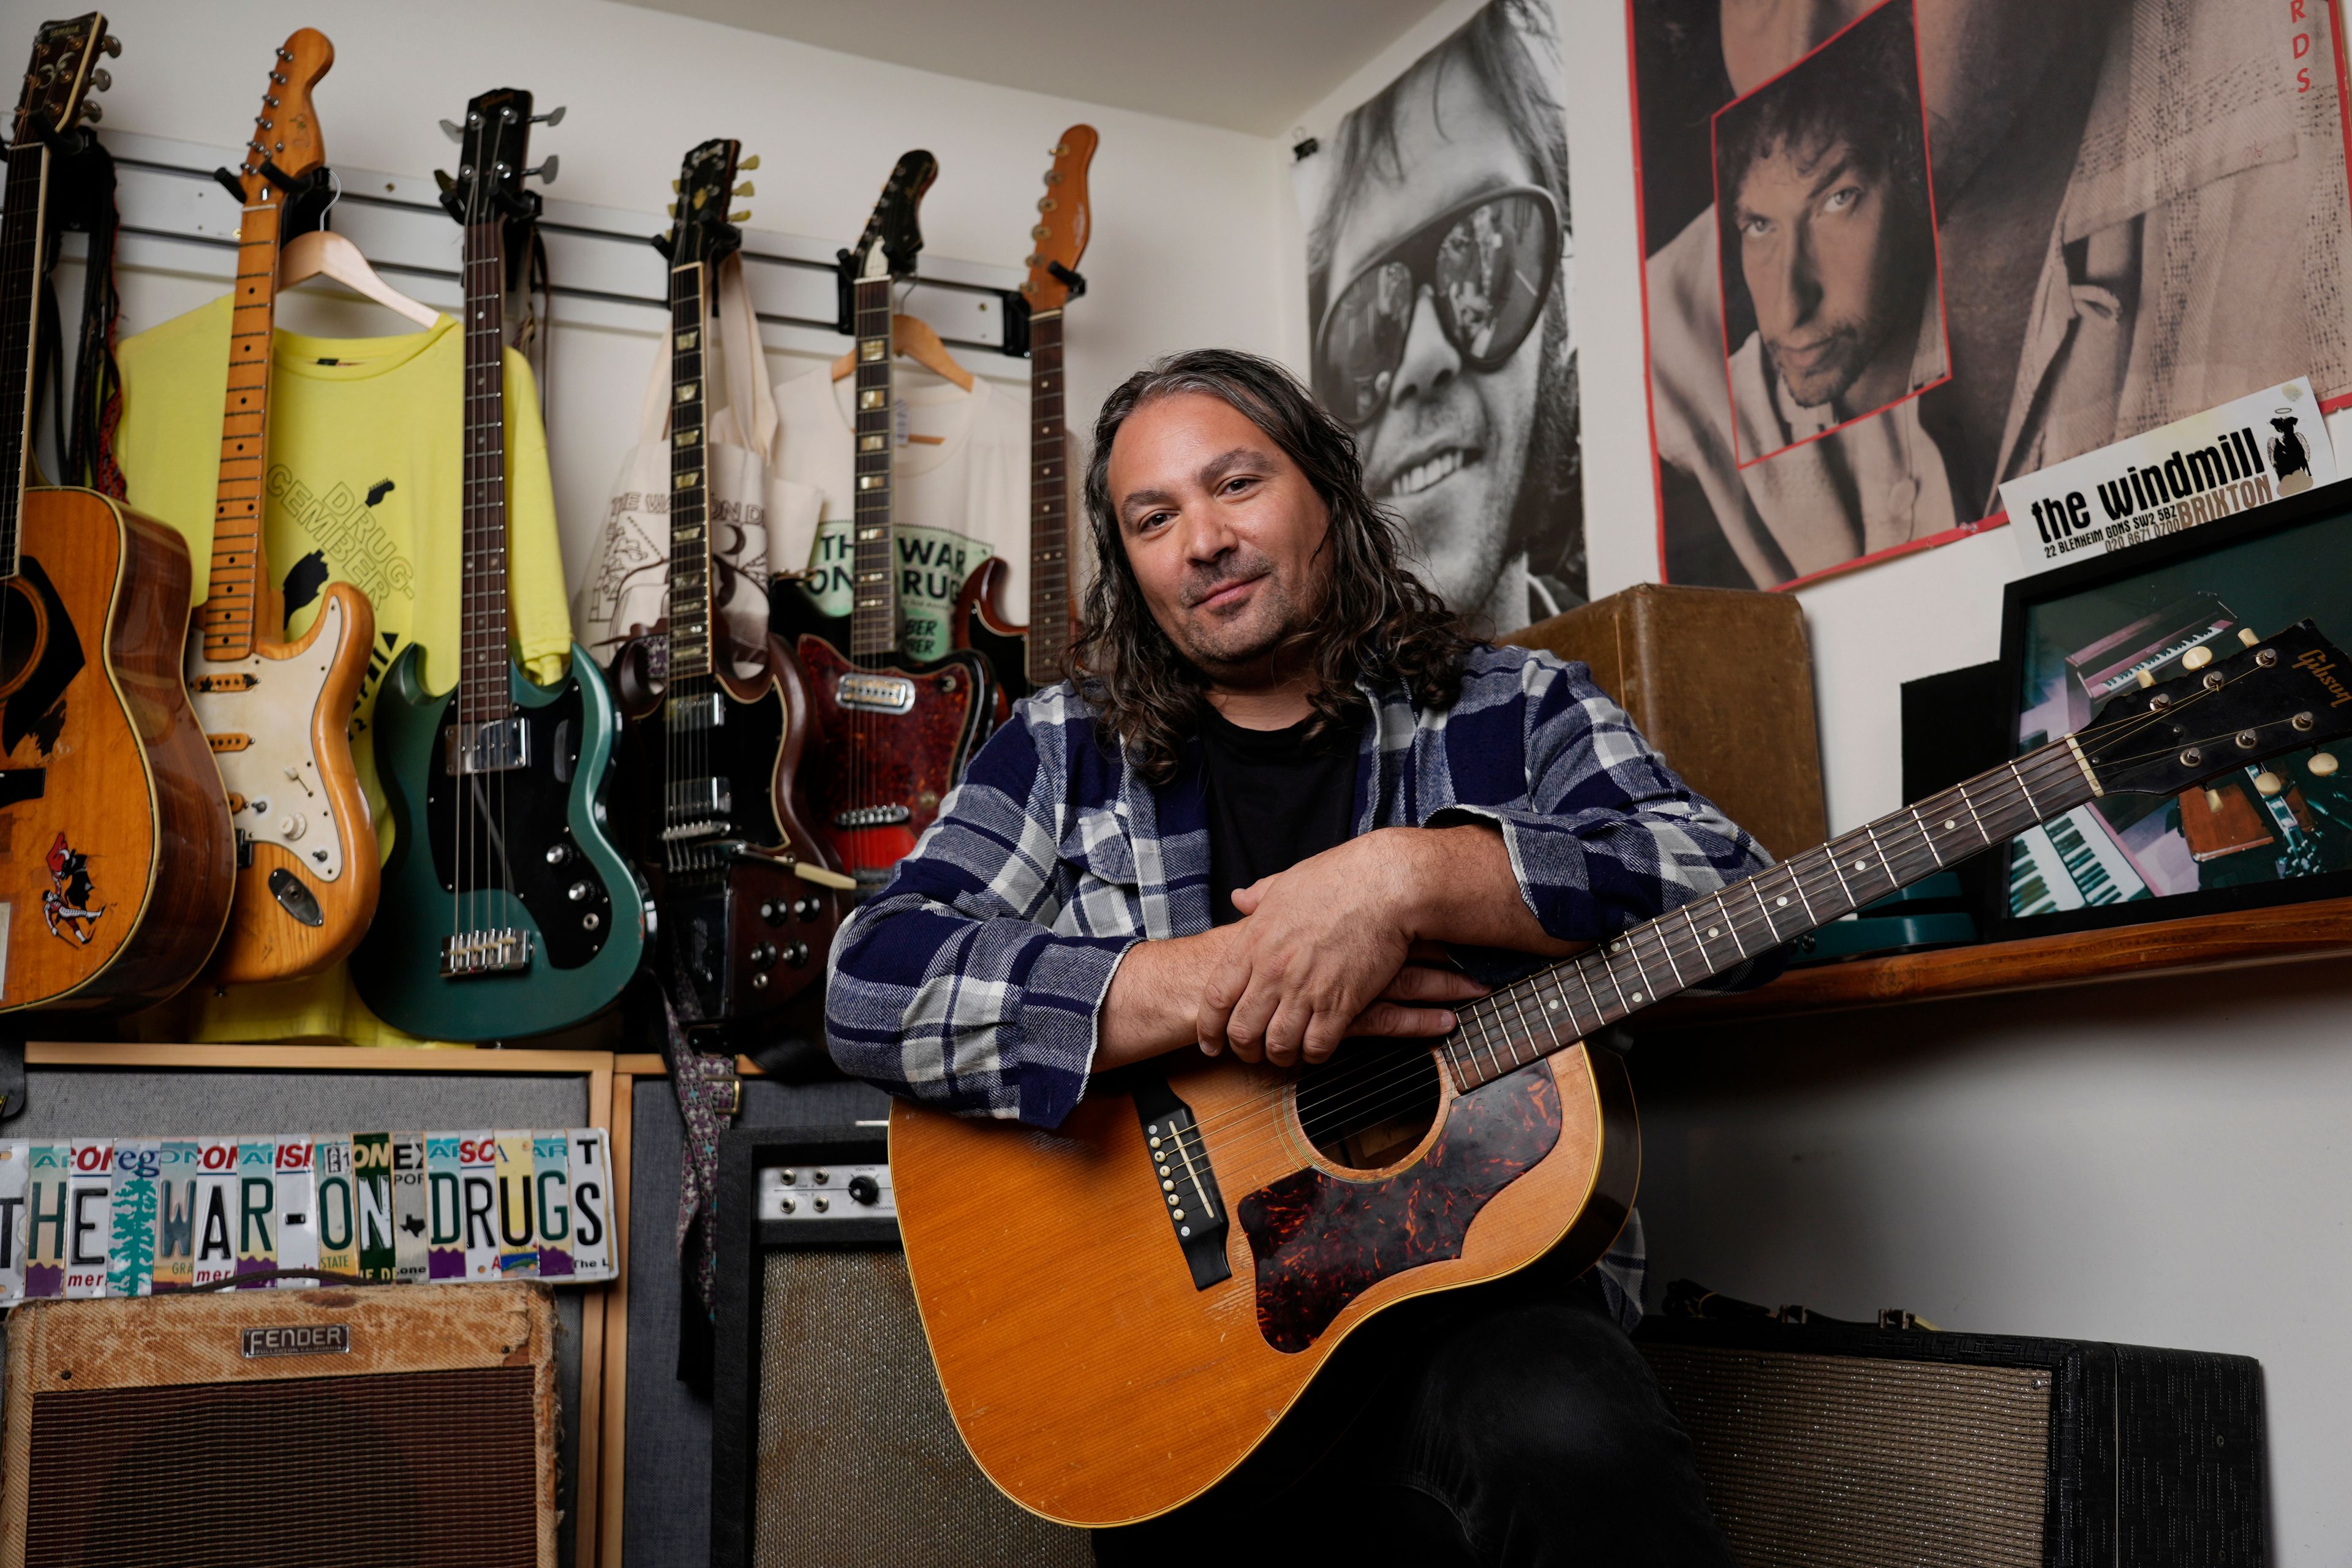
pixel 59 78
pixel 2274 695
pixel 493 146
pixel 894 234
pixel 702 229
pixel 286 144
pixel 1065 222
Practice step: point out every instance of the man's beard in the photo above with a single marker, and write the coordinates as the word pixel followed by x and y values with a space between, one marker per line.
pixel 1272 612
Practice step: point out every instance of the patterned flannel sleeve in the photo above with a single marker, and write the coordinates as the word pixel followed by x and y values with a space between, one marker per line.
pixel 951 985
pixel 1607 836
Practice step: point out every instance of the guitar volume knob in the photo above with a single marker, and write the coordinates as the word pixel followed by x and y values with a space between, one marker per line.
pixel 797 954
pixel 579 891
pixel 765 956
pixel 557 854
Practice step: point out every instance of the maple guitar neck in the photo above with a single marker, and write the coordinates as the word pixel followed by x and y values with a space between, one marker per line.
pixel 239 584
pixel 1048 650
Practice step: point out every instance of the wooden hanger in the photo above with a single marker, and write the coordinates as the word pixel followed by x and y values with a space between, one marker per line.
pixel 915 340
pixel 323 253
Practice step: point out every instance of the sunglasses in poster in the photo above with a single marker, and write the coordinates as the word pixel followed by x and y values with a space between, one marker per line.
pixel 1487 266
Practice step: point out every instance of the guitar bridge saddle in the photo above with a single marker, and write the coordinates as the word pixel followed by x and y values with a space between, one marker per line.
pixel 698 807
pixel 872 817
pixel 492 746
pixel 876 693
pixel 1187 1183
pixel 503 951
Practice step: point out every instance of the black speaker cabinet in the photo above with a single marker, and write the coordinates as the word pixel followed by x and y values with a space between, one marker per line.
pixel 831 1445
pixel 1864 1448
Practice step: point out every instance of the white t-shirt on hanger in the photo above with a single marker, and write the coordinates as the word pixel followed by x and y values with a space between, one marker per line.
pixel 958 502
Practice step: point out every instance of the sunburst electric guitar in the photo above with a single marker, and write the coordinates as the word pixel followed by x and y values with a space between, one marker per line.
pixel 893 733
pixel 1036 654
pixel 115 858
pixel 277 713
pixel 747 896
pixel 507 910
pixel 1121 1310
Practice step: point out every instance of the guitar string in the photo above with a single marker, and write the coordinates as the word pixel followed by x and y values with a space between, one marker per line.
pixel 2054 766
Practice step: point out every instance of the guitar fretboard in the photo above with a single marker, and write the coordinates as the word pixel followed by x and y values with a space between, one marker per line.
pixel 1049 506
pixel 873 567
pixel 22 222
pixel 1555 1007
pixel 689 535
pixel 483 695
pixel 238 581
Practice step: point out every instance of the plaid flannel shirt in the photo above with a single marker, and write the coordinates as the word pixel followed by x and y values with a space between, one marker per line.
pixel 973 979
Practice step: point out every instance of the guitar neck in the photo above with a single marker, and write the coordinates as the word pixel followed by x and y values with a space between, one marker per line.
pixel 1558 1006
pixel 483 694
pixel 23 239
pixel 874 575
pixel 1049 505
pixel 690 534
pixel 239 577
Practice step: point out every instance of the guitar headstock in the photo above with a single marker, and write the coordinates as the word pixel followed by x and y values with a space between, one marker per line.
pixel 1064 224
pixel 702 228
pixel 894 235
pixel 286 133
pixel 62 73
pixel 2275 694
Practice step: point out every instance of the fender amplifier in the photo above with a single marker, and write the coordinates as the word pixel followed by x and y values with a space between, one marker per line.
pixel 830 1443
pixel 1867 1448
pixel 412 1425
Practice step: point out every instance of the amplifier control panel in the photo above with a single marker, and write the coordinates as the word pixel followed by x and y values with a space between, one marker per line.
pixel 816 1194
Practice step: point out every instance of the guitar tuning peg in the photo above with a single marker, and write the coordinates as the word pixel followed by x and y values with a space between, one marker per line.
pixel 442 179
pixel 747 164
pixel 2197 658
pixel 2246 636
pixel 552 117
pixel 673 209
pixel 2146 679
pixel 93 113
pixel 742 216
pixel 545 171
pixel 453 130
pixel 2322 765
pixel 2268 782
pixel 112 46
pixel 100 79
pixel 673 184
pixel 745 189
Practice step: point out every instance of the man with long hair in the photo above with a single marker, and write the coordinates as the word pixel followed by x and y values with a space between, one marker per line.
pixel 1284 774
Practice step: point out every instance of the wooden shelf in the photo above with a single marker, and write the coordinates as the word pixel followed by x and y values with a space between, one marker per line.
pixel 2282 933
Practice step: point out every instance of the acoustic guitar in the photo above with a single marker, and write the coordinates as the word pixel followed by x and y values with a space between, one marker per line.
pixel 277 713
pixel 747 896
pixel 1121 1310
pixel 507 910
pixel 116 862
pixel 1037 655
pixel 894 733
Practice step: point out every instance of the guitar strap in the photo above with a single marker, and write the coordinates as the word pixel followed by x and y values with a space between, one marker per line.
pixel 12 1076
pixel 709 1095
pixel 84 188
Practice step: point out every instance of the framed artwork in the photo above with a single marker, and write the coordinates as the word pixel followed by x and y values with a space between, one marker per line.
pixel 2279 830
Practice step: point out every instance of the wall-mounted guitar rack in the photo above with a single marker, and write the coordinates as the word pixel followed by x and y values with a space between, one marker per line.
pixel 177 218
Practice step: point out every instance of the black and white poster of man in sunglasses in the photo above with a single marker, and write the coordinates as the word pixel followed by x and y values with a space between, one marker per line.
pixel 1438 252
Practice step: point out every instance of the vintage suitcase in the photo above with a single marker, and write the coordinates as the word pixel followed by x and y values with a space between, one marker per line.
pixel 1721 681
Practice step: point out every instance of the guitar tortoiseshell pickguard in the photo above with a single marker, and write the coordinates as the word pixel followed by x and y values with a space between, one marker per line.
pixel 1321 1241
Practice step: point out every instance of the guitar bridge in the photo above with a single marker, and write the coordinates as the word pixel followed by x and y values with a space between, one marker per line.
pixel 1188 1185
pixel 467 953
pixel 872 817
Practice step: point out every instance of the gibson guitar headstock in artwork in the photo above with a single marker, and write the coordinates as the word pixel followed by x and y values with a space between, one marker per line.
pixel 115 889
pixel 1026 658
pixel 895 733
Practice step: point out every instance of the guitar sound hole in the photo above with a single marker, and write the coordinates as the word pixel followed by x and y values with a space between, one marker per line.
pixel 1371 1103
pixel 22 623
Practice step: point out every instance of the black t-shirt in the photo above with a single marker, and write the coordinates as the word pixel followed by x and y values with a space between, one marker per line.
pixel 1276 798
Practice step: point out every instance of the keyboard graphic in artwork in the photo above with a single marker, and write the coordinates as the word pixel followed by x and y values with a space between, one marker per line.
pixel 2069 863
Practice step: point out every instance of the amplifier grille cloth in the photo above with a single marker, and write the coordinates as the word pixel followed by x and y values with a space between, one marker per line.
pixel 404 1468
pixel 1854 1462
pixel 859 1462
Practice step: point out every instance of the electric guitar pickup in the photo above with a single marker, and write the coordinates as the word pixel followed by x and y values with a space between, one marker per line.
pixel 1121 1310
pixel 747 896
pixel 893 733
pixel 507 910
pixel 276 712
pixel 1037 655
pixel 116 863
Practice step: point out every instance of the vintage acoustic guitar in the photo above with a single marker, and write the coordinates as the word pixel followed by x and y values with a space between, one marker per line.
pixel 1027 658
pixel 893 732
pixel 1121 1310
pixel 507 910
pixel 747 896
pixel 277 713
pixel 115 858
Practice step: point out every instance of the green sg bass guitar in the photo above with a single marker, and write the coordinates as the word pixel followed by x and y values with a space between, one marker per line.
pixel 505 911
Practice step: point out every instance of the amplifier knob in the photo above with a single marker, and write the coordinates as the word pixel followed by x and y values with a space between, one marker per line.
pixel 866 1190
